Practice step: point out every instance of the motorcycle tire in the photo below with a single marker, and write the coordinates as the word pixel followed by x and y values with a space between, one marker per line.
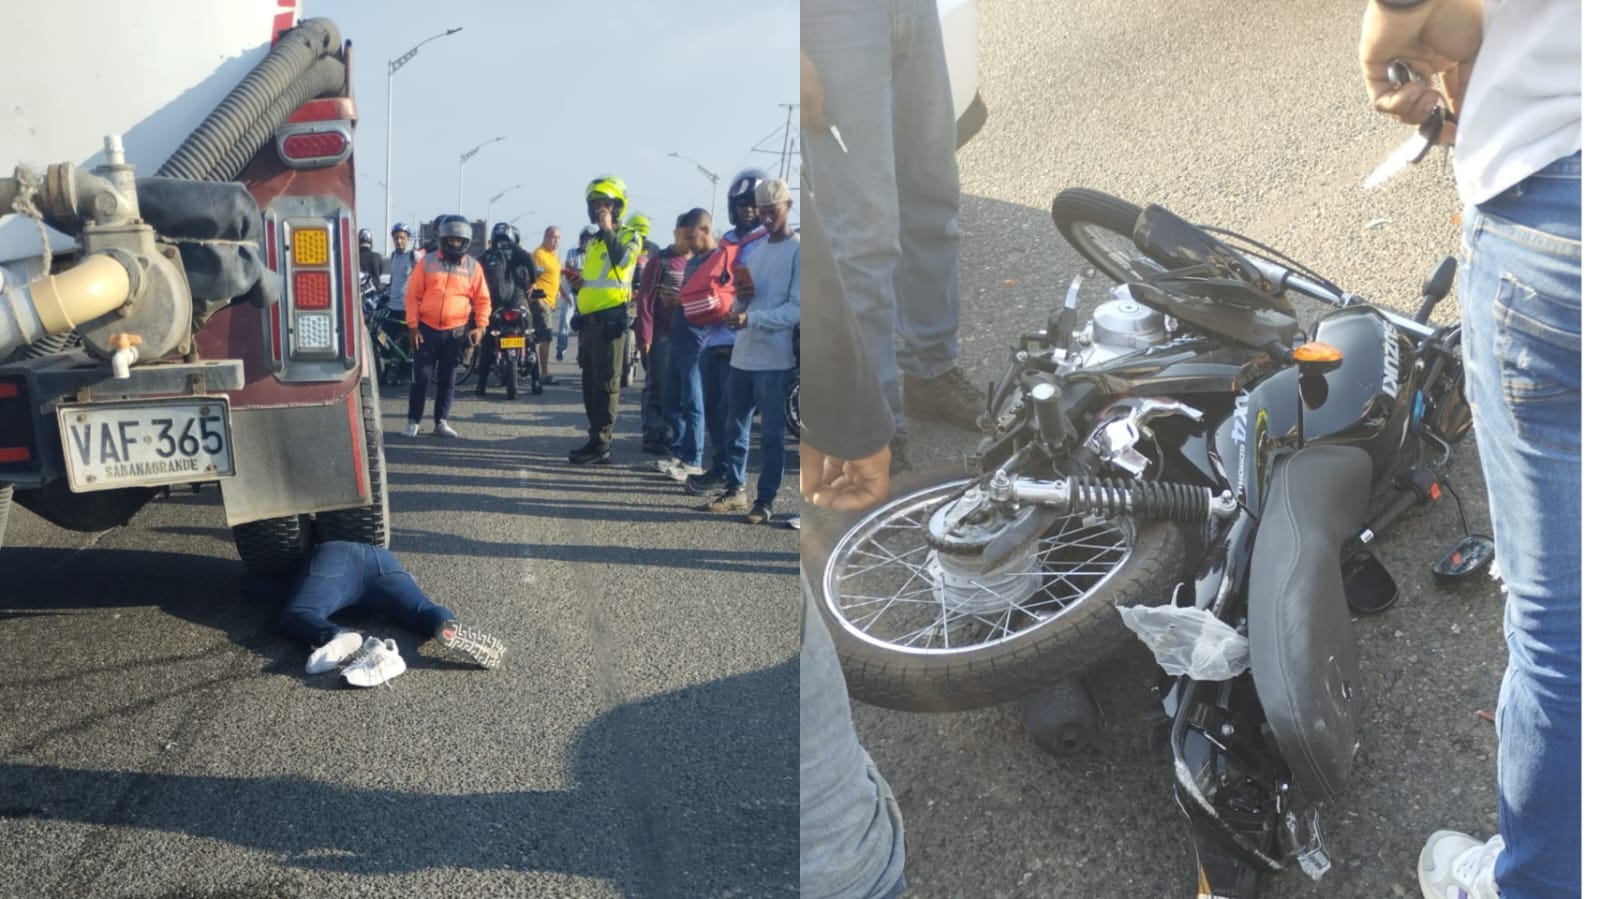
pixel 508 374
pixel 1061 645
pixel 1081 214
pixel 791 410
pixel 471 358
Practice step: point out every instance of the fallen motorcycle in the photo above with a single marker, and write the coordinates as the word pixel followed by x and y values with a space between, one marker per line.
pixel 1190 465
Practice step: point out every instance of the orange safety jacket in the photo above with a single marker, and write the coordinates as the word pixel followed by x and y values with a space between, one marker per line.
pixel 446 295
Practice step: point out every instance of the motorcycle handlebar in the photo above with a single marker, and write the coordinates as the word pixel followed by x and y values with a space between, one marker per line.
pixel 1284 279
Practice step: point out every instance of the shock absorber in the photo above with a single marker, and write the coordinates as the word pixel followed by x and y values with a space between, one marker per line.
pixel 1117 496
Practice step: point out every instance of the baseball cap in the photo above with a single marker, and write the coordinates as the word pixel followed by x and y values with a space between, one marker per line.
pixel 771 192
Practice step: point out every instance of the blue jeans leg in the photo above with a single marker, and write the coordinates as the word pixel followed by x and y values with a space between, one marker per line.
pixel 334 579
pixel 435 360
pixel 883 73
pixel 691 407
pixel 741 403
pixel 1521 311
pixel 393 593
pixel 772 390
pixel 852 835
pixel 714 368
pixel 563 323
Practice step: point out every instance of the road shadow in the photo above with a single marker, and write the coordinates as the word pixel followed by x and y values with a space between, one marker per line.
pixel 710 811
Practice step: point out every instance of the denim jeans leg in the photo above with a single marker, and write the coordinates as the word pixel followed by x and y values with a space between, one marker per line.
pixel 741 403
pixel 1521 310
pixel 563 323
pixel 393 593
pixel 852 835
pixel 772 390
pixel 334 578
pixel 423 364
pixel 691 405
pixel 714 368
pixel 449 354
pixel 853 47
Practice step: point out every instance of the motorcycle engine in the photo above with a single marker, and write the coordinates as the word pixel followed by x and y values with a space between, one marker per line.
pixel 1120 326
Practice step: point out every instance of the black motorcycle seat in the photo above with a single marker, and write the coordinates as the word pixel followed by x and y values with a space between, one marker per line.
pixel 1302 646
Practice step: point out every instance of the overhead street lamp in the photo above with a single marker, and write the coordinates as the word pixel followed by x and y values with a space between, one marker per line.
pixel 706 172
pixel 388 141
pixel 488 216
pixel 520 217
pixel 462 168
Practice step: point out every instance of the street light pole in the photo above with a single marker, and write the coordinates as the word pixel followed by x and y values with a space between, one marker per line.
pixel 706 172
pixel 462 169
pixel 388 123
pixel 489 215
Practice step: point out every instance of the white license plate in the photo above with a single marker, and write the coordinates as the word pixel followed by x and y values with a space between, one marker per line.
pixel 172 441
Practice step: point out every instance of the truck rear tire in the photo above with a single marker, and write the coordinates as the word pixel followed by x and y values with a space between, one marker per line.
pixel 369 523
pixel 273 545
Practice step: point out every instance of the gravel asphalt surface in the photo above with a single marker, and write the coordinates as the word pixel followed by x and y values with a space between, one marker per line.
pixel 158 740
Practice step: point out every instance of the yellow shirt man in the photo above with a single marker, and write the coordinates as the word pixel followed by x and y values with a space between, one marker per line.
pixel 548 268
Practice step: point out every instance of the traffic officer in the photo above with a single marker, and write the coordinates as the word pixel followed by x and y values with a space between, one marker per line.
pixel 603 285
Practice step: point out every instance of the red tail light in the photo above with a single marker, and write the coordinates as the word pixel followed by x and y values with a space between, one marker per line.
pixel 314 145
pixel 15 454
pixel 8 390
pixel 511 315
pixel 313 290
pixel 352 290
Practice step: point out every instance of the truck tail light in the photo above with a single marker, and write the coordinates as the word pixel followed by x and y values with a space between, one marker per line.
pixel 313 144
pixel 313 290
pixel 309 246
pixel 352 291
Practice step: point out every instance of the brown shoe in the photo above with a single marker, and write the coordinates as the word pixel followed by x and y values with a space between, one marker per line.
pixel 730 501
pixel 948 397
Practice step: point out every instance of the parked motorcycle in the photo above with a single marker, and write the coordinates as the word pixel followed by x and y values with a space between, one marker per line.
pixel 504 350
pixel 1188 464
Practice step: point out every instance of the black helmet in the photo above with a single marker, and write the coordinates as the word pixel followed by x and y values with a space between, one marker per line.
pixel 501 229
pixel 450 228
pixel 743 186
pixel 364 238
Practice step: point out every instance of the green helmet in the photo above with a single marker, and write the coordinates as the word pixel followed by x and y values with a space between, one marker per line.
pixel 610 188
pixel 639 222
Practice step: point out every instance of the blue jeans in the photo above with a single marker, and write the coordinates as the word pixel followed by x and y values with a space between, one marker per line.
pixel 563 323
pixel 715 364
pixel 890 204
pixel 438 357
pixel 689 415
pixel 341 575
pixel 852 835
pixel 1522 344
pixel 658 423
pixel 748 391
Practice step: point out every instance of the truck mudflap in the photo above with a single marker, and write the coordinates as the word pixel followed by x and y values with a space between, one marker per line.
pixel 286 466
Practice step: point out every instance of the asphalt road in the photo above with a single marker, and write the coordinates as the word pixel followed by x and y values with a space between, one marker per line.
pixel 1248 116
pixel 158 740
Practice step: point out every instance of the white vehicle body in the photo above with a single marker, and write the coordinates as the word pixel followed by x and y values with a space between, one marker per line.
pixel 959 21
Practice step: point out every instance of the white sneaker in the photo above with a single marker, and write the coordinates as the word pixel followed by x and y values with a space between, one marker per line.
pixel 681 472
pixel 441 428
pixel 666 465
pixel 1455 866
pixel 334 653
pixel 378 661
pixel 410 430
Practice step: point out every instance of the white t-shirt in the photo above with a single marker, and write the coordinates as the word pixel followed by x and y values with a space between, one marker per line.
pixel 1523 108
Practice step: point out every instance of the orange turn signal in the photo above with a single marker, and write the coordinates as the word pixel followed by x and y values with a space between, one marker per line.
pixel 1316 351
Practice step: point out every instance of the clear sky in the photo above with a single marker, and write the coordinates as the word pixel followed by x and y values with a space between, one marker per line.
pixel 577 90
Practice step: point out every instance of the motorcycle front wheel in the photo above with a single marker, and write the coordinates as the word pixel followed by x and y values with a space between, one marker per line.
pixel 1100 227
pixel 922 630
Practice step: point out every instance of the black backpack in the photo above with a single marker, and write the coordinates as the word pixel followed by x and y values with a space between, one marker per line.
pixel 497 272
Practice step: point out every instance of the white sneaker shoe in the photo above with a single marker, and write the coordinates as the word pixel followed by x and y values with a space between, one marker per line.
pixel 334 653
pixel 1455 866
pixel 682 472
pixel 410 430
pixel 441 428
pixel 378 661
pixel 666 465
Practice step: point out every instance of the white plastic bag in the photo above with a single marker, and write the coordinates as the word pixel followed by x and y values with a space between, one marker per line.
pixel 1190 642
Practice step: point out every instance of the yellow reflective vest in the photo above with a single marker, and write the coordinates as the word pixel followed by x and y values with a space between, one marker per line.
pixel 606 285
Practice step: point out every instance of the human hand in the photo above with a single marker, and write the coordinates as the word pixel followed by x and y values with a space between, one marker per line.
pixel 475 336
pixel 1439 38
pixel 416 339
pixel 603 219
pixel 736 320
pixel 811 114
pixel 831 483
